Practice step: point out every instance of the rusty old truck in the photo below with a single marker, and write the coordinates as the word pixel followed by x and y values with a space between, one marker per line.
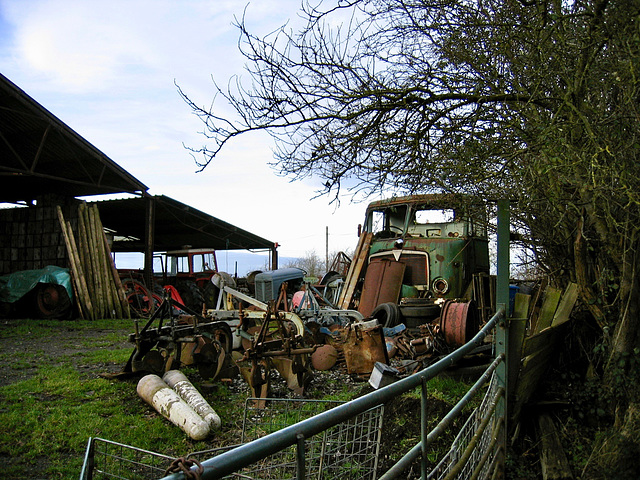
pixel 424 261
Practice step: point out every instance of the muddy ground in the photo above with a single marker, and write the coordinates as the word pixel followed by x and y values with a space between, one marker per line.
pixel 61 342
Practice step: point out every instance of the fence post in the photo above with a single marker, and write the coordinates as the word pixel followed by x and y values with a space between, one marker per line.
pixel 502 329
pixel 424 428
pixel 301 467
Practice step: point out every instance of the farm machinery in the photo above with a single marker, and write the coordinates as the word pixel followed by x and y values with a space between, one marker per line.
pixel 247 334
pixel 421 267
pixel 186 274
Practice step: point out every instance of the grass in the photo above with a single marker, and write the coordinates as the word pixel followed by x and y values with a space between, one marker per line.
pixel 48 417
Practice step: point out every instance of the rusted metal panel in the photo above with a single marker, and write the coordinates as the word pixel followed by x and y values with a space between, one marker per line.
pixel 382 284
pixel 416 265
pixel 363 347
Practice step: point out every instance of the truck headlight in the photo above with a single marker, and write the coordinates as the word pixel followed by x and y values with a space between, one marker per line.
pixel 440 286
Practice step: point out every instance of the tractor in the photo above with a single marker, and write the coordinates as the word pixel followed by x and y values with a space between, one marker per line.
pixel 185 273
pixel 190 272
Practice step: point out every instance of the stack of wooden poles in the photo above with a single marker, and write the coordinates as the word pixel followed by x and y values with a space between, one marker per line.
pixel 96 283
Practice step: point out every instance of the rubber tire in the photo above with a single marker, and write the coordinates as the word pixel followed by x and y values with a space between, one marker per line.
pixel 210 293
pixel 52 301
pixel 426 312
pixel 191 295
pixel 387 314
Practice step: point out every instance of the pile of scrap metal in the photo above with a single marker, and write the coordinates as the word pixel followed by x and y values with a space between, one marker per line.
pixel 422 261
pixel 293 332
pixel 418 286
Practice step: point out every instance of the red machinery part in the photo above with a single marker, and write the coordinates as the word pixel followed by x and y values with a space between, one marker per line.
pixel 459 322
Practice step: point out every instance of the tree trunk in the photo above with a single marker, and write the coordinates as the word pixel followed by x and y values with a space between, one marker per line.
pixel 618 455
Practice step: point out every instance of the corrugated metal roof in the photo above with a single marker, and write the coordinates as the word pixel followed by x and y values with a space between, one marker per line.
pixel 176 226
pixel 39 154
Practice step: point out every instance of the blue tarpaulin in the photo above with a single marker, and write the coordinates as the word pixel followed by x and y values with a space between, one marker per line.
pixel 16 285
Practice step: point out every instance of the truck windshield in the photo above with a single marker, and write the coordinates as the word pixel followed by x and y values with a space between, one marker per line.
pixel 426 219
pixel 425 215
pixel 387 222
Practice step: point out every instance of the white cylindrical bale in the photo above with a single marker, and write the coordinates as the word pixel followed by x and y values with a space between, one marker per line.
pixel 168 403
pixel 190 394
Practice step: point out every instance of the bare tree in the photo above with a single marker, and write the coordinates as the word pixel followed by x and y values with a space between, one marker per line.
pixel 528 100
pixel 311 263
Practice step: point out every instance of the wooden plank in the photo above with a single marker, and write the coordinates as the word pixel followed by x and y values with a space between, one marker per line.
pixel 543 355
pixel 521 306
pixel 349 276
pixel 553 460
pixel 534 308
pixel 549 306
pixel 354 270
pixel 536 305
pixel 566 305
pixel 517 327
pixel 527 385
pixel 534 366
pixel 538 341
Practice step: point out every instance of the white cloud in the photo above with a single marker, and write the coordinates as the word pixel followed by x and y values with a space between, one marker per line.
pixel 107 69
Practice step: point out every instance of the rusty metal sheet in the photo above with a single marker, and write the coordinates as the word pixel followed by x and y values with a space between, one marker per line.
pixel 363 348
pixel 382 284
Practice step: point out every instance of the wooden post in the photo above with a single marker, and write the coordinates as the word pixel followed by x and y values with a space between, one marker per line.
pixel 84 299
pixel 84 248
pixel 149 241
pixel 106 283
pixel 116 278
pixel 98 278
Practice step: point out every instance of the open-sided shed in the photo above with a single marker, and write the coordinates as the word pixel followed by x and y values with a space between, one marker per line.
pixel 45 163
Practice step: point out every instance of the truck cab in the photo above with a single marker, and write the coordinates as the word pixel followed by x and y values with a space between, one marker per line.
pixel 441 239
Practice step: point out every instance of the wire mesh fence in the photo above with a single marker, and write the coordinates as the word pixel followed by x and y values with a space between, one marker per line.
pixel 347 451
pixel 482 458
pixel 106 460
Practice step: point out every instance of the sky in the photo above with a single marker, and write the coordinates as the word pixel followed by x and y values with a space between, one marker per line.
pixel 109 69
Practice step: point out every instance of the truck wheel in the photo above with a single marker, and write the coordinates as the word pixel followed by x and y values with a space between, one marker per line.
pixel 52 301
